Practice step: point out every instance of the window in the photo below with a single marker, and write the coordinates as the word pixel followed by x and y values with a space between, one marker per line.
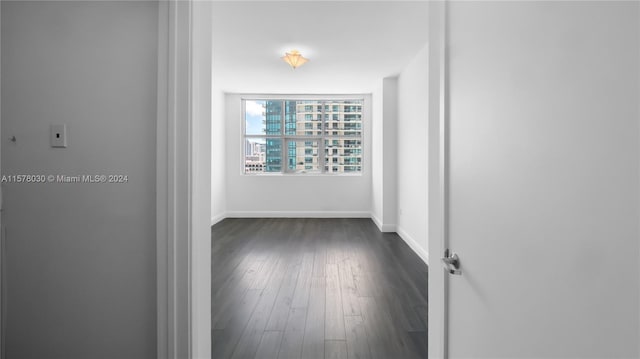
pixel 280 136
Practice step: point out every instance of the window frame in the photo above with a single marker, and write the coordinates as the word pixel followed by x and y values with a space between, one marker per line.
pixel 325 134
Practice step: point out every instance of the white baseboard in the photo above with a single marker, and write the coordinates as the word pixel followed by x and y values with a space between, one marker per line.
pixel 381 226
pixel 297 214
pixel 217 218
pixel 413 244
pixel 377 221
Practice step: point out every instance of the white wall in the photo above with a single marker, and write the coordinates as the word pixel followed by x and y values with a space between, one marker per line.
pixel 390 125
pixel 412 153
pixel 384 128
pixel 377 164
pixel 218 157
pixel 286 195
pixel 81 258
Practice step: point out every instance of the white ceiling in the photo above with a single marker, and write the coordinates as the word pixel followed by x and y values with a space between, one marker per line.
pixel 351 45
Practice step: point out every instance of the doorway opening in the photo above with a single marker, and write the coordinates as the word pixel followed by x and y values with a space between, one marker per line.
pixel 376 219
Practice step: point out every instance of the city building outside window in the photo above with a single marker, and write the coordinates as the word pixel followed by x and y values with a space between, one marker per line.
pixel 302 136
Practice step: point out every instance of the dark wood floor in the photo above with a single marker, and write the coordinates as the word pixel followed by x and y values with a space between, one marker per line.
pixel 316 288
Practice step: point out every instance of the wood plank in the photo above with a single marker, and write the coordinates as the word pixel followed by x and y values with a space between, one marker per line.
pixel 269 345
pixel 335 349
pixel 395 339
pixel 380 344
pixel 303 284
pixel 227 303
pixel 334 316
pixel 282 307
pixel 367 286
pixel 419 342
pixel 291 346
pixel 313 344
pixel 252 334
pixel 225 340
pixel 357 345
pixel 350 304
pixel 423 314
pixel 319 261
pixel 402 313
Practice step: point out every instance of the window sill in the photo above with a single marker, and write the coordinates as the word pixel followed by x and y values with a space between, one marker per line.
pixel 302 174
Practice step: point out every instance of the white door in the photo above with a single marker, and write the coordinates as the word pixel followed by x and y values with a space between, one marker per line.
pixel 544 179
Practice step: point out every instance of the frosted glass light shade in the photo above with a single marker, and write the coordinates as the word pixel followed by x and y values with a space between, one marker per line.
pixel 294 58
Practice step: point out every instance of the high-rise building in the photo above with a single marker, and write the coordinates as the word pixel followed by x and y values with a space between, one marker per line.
pixel 273 125
pixel 327 119
pixel 248 148
pixel 332 128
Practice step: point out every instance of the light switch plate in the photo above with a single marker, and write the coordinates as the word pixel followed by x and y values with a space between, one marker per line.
pixel 58 135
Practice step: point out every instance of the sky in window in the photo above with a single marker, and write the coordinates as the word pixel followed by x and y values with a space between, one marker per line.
pixel 254 115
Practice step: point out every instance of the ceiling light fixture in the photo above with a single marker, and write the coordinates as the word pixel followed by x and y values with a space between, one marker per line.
pixel 294 58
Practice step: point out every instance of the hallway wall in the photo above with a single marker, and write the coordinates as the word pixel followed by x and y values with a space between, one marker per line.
pixel 81 257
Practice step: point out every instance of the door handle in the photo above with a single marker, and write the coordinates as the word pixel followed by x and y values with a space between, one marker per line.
pixel 451 262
